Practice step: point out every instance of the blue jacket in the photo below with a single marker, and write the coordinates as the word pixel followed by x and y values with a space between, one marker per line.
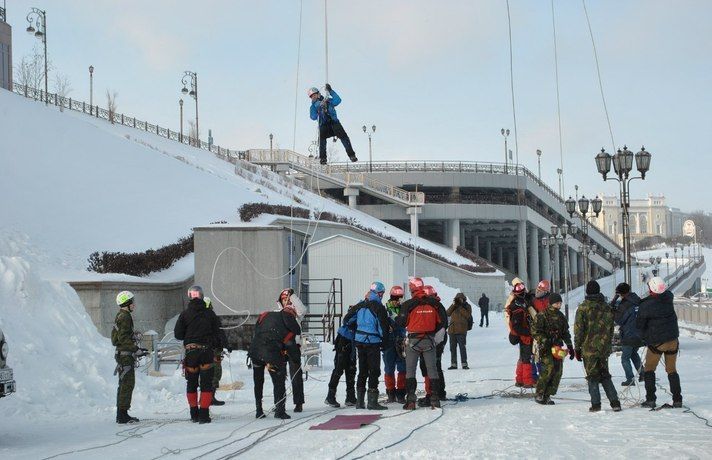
pixel 345 332
pixel 626 316
pixel 317 112
pixel 369 321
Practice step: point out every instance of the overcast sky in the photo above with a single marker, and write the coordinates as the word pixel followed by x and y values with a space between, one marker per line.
pixel 433 76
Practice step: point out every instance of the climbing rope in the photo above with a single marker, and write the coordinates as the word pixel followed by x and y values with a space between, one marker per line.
pixel 296 82
pixel 558 100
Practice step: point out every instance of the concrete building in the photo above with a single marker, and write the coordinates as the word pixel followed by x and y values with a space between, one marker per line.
pixel 5 51
pixel 648 217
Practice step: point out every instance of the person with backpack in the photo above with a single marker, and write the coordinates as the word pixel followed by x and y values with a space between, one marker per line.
pixel 219 346
pixel 439 351
pixel 199 329
pixel 323 111
pixel 344 362
pixel 425 322
pixel 274 330
pixel 593 336
pixel 392 359
pixel 127 352
pixel 551 331
pixel 520 334
pixel 625 306
pixel 483 303
pixel 460 318
pixel 657 322
pixel 369 321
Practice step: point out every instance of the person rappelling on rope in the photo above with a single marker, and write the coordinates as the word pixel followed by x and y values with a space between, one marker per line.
pixel 323 110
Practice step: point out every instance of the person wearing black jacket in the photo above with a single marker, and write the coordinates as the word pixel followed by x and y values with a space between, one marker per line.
pixel 483 303
pixel 625 311
pixel 268 350
pixel 657 323
pixel 199 329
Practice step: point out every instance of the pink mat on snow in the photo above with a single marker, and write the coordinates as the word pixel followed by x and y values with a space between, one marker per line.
pixel 347 422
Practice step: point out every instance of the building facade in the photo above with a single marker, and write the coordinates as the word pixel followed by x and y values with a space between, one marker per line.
pixel 648 217
pixel 5 51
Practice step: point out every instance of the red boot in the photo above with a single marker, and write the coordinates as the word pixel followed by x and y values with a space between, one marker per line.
pixel 527 376
pixel 518 379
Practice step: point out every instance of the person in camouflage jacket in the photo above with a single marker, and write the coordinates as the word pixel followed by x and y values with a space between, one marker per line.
pixel 550 329
pixel 593 334
pixel 127 351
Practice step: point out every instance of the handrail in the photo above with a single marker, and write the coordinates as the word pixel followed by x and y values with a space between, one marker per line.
pixel 357 179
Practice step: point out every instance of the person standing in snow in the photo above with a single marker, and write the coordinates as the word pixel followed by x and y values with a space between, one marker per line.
pixel 460 314
pixel 199 329
pixel 372 333
pixel 483 303
pixel 392 359
pixel 344 362
pixel 268 351
pixel 439 351
pixel 625 306
pixel 551 331
pixel 127 352
pixel 287 298
pixel 520 334
pixel 323 111
pixel 593 335
pixel 425 325
pixel 657 322
pixel 220 345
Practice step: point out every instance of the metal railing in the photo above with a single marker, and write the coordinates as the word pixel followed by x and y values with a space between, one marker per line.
pixel 347 179
pixel 125 120
pixel 333 305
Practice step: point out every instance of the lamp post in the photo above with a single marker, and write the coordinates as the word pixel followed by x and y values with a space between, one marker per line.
pixel 559 236
pixel 271 136
pixel 667 264
pixel 583 207
pixel 505 134
pixel 91 90
pixel 180 103
pixel 40 19
pixel 538 159
pixel 370 151
pixel 191 78
pixel 560 171
pixel 622 166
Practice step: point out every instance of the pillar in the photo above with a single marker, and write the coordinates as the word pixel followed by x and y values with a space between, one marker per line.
pixel 573 268
pixel 488 250
pixel 510 261
pixel 500 256
pixel 476 244
pixel 579 262
pixel 522 250
pixel 413 213
pixel 545 260
pixel 556 275
pixel 534 255
pixel 352 194
pixel 463 241
pixel 453 230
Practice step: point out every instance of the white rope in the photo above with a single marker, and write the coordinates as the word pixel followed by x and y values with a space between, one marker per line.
pixel 598 71
pixel 326 41
pixel 296 83
pixel 558 100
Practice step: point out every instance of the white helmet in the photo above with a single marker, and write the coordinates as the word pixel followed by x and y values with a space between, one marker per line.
pixel 311 91
pixel 657 285
pixel 124 298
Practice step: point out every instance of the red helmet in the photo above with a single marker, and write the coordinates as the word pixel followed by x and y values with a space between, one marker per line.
pixel 519 289
pixel 397 291
pixel 415 284
pixel 544 286
pixel 429 291
pixel 285 294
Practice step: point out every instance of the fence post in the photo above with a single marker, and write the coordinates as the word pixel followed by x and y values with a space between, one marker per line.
pixel 134 122
pixel 97 110
pixel 122 118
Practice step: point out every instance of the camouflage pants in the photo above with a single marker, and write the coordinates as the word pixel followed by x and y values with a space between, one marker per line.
pixel 127 381
pixel 596 368
pixel 217 368
pixel 550 376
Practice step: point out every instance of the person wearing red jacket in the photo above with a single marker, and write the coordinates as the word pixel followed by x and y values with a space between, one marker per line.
pixel 540 302
pixel 520 334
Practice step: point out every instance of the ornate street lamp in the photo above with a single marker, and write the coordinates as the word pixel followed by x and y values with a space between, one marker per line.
pixel 191 79
pixel 370 151
pixel 39 17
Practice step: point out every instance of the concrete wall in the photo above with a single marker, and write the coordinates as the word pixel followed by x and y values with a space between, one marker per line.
pixel 699 314
pixel 5 56
pixel 252 266
pixel 156 303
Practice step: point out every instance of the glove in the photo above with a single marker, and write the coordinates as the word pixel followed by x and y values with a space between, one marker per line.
pixel 140 352
pixel 572 353
pixel 578 355
pixel 328 87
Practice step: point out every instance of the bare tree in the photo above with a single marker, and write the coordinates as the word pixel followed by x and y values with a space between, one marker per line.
pixel 193 134
pixel 111 104
pixel 62 87
pixel 30 72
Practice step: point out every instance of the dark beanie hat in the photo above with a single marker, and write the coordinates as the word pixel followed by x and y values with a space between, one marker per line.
pixel 593 288
pixel 623 288
pixel 555 298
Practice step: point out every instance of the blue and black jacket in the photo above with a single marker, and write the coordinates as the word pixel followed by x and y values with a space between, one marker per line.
pixel 369 321
pixel 325 112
